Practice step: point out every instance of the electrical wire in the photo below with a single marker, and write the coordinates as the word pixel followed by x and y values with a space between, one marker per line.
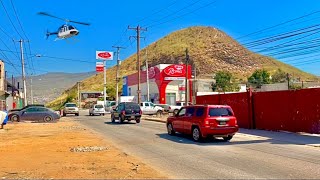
pixel 277 25
pixel 173 13
pixel 10 19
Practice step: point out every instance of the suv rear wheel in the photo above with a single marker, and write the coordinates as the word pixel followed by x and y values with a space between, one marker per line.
pixel 112 118
pixel 121 119
pixel 170 130
pixel 138 120
pixel 196 134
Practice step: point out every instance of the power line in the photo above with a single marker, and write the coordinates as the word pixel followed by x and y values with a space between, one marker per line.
pixel 51 57
pixel 17 17
pixel 157 12
pixel 10 19
pixel 175 12
pixel 277 25
pixel 178 17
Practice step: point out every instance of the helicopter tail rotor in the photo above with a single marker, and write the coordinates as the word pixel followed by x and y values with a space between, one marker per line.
pixel 47 35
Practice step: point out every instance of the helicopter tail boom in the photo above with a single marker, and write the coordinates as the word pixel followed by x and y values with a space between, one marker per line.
pixel 50 33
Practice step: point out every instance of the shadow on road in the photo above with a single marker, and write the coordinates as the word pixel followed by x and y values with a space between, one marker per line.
pixel 187 139
pixel 117 123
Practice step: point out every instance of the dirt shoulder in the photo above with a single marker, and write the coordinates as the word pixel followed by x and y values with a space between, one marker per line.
pixel 64 150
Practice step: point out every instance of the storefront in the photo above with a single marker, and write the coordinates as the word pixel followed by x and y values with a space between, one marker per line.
pixel 166 84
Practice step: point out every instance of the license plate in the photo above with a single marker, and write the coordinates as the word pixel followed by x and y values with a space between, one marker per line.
pixel 132 117
pixel 223 123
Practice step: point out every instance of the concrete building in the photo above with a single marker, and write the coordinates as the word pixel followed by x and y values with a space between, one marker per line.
pixel 166 84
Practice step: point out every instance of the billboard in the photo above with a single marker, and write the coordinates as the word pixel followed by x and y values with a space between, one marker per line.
pixel 104 55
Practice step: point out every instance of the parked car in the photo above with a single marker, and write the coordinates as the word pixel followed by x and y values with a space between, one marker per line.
pixel 97 109
pixel 35 113
pixel 166 107
pixel 126 111
pixel 148 108
pixel 30 105
pixel 70 108
pixel 204 120
pixel 178 106
pixel 110 106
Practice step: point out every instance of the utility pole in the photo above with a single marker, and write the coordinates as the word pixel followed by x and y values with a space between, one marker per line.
pixel 138 29
pixel 23 74
pixel 79 100
pixel 31 90
pixel 288 79
pixel 148 85
pixel 118 71
pixel 186 81
pixel 195 82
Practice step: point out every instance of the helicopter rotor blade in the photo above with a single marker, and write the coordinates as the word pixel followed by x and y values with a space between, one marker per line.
pixel 83 23
pixel 46 14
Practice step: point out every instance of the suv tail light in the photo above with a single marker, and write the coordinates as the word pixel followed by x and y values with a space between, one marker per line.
pixel 140 112
pixel 169 107
pixel 123 112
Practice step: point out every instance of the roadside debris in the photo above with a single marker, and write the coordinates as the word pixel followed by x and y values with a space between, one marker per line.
pixel 88 149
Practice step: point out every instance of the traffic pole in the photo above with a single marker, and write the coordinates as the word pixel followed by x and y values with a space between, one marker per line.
pixel 104 83
pixel 118 71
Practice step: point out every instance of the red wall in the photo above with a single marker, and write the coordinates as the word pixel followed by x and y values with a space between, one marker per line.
pixel 238 102
pixel 295 111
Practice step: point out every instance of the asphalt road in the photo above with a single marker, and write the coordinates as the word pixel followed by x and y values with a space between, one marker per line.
pixel 246 156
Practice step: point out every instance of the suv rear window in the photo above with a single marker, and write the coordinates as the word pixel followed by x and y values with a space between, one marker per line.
pixel 132 106
pixel 98 106
pixel 220 112
pixel 71 105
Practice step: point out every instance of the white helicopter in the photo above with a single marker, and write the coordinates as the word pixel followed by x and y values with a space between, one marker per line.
pixel 65 31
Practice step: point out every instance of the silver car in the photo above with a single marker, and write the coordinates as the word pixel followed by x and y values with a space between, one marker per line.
pixel 97 109
pixel 70 108
pixel 38 114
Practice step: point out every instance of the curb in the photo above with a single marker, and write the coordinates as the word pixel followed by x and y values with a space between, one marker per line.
pixel 154 120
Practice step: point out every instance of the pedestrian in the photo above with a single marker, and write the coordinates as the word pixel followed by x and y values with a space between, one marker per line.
pixel 3 118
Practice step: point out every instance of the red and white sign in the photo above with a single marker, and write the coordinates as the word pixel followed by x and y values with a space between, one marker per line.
pixel 99 66
pixel 104 55
pixel 175 71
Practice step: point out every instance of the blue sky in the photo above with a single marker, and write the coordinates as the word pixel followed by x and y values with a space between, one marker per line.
pixel 110 19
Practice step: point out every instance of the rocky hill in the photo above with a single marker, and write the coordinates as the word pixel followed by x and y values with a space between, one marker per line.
pixel 210 50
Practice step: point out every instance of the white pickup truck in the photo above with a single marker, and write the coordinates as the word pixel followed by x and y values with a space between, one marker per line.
pixel 177 107
pixel 148 108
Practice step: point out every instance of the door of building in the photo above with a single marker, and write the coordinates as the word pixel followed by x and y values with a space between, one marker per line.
pixel 171 98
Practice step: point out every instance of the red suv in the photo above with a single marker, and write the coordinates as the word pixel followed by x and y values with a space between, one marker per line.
pixel 204 120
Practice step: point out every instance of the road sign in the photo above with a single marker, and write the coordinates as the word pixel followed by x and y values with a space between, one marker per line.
pixel 104 55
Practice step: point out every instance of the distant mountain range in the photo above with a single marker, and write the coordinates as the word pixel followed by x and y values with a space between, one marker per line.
pixel 47 87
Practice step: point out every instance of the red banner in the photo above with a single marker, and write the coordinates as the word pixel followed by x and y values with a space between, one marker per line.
pixel 99 69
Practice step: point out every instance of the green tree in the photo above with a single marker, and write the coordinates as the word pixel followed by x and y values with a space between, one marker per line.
pixel 224 82
pixel 279 77
pixel 259 77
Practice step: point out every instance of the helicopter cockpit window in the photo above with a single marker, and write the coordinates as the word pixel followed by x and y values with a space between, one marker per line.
pixel 71 27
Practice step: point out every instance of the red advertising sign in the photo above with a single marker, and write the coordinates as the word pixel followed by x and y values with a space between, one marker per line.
pixel 99 66
pixel 99 69
pixel 104 55
pixel 175 71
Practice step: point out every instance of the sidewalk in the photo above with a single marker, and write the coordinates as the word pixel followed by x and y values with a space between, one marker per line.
pixel 289 137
